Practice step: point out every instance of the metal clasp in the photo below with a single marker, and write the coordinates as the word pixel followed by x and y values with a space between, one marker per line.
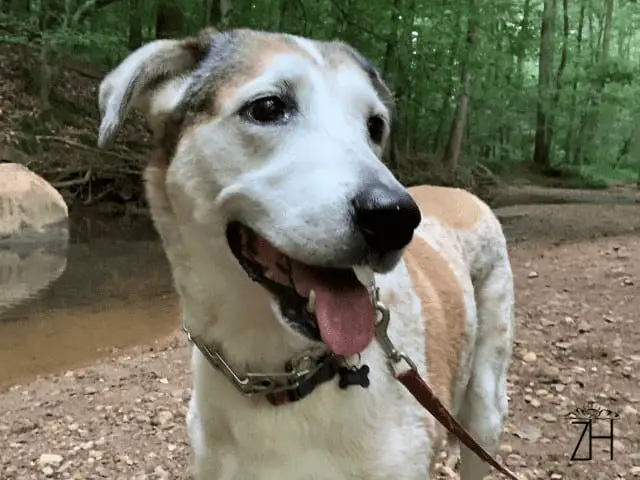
pixel 394 356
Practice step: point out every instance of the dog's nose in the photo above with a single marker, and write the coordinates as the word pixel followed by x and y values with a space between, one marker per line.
pixel 386 217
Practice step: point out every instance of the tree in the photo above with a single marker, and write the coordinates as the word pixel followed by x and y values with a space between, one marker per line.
pixel 135 24
pixel 542 142
pixel 453 147
pixel 169 20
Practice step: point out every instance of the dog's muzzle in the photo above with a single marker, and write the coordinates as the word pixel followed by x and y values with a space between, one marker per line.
pixel 322 303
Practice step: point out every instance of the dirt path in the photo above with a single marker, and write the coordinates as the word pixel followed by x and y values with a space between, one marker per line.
pixel 578 282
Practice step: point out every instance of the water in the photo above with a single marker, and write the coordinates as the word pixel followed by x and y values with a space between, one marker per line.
pixel 62 306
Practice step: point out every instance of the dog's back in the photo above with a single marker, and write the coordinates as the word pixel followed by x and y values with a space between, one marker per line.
pixel 460 269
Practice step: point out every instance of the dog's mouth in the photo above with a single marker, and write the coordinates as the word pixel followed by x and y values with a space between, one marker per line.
pixel 327 304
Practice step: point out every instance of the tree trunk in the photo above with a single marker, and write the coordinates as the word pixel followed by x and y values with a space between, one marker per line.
pixel 560 72
pixel 451 156
pixel 135 24
pixel 392 39
pixel 589 124
pixel 220 11
pixel 524 25
pixel 442 118
pixel 569 142
pixel 169 20
pixel 542 143
pixel 606 36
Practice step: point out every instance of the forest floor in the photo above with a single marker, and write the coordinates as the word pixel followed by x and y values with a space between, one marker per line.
pixel 578 341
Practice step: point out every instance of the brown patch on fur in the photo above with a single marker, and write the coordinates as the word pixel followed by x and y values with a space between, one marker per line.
pixel 261 49
pixel 155 176
pixel 450 206
pixel 443 310
pixel 336 55
pixel 264 50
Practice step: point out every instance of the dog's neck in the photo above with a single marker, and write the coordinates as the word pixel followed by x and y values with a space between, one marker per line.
pixel 227 310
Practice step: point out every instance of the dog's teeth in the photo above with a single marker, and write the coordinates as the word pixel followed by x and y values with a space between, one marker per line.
pixel 365 275
pixel 311 305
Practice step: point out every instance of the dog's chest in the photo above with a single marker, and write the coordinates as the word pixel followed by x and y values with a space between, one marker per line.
pixel 332 434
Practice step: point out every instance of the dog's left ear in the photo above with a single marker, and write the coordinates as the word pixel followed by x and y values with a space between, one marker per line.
pixel 390 152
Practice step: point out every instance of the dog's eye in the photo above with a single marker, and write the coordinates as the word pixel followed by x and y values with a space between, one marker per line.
pixel 267 110
pixel 375 126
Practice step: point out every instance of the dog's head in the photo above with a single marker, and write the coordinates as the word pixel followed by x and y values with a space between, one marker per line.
pixel 273 143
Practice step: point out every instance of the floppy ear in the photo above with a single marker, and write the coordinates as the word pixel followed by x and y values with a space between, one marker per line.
pixel 151 79
pixel 389 155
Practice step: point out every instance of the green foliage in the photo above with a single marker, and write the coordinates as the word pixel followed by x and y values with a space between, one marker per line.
pixel 421 48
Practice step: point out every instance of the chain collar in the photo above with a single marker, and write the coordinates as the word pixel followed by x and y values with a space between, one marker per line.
pixel 299 369
pixel 303 372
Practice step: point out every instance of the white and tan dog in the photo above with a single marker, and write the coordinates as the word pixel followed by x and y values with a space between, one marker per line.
pixel 269 193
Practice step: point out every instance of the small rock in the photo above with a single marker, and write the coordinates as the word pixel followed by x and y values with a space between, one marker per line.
pixel 535 403
pixel 529 357
pixel 556 476
pixel 547 417
pixel 49 459
pixel 165 417
pixel 635 471
pixel 533 275
pixel 47 471
pixel 506 449
pixel 629 410
pixel 161 473
pixel 530 433
pixel 584 327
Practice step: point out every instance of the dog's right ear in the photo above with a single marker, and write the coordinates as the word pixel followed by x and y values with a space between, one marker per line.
pixel 149 79
pixel 390 152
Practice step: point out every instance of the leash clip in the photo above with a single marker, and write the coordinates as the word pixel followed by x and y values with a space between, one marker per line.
pixel 394 356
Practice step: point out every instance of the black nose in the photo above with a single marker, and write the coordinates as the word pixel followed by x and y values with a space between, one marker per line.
pixel 386 217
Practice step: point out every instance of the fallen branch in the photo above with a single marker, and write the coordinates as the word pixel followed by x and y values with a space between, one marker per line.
pixel 92 200
pixel 72 143
pixel 73 183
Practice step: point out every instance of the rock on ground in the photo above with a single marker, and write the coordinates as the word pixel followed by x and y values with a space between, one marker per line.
pixel 29 205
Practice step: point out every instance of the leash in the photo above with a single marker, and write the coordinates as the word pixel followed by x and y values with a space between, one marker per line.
pixel 421 391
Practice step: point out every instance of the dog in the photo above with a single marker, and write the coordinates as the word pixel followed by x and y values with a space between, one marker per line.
pixel 281 221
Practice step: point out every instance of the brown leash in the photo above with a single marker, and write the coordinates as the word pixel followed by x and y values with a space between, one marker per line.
pixel 413 382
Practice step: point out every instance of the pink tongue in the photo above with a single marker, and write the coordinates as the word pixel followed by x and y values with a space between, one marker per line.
pixel 345 317
pixel 343 308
